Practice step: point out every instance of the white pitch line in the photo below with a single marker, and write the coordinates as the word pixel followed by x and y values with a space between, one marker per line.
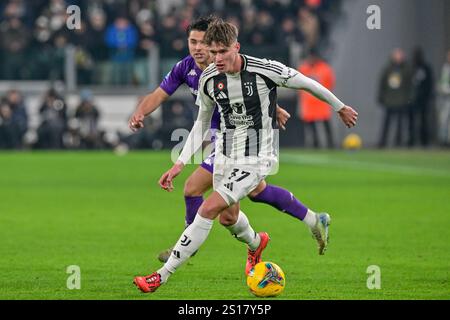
pixel 363 165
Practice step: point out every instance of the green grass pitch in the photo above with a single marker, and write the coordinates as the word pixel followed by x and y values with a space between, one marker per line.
pixel 106 214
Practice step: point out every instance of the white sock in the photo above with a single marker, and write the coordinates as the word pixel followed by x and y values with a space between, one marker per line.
pixel 310 218
pixel 243 231
pixel 190 241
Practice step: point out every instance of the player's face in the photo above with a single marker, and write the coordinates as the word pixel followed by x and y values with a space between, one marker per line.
pixel 224 57
pixel 197 47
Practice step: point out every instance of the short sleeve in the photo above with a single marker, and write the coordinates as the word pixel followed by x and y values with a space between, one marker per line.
pixel 173 79
pixel 203 97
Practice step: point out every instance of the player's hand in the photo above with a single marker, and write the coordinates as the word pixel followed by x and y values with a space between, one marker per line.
pixel 166 180
pixel 282 117
pixel 136 121
pixel 348 116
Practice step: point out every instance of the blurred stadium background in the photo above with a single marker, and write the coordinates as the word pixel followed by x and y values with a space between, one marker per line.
pixel 48 72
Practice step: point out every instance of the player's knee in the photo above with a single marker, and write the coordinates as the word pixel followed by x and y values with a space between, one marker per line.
pixel 227 220
pixel 252 196
pixel 208 210
pixel 255 192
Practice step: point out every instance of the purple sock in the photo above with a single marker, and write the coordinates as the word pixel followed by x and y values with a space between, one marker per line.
pixel 192 206
pixel 283 200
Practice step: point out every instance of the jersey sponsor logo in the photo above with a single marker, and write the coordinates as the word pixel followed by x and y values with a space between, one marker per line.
pixel 192 73
pixel 239 108
pixel 220 86
pixel 239 116
pixel 249 87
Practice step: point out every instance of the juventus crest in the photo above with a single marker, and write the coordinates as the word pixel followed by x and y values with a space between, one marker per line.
pixel 249 87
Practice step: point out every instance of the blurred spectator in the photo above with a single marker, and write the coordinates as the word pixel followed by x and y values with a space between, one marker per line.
pixel 174 44
pixel 13 120
pixel 394 94
pixel 422 90
pixel 444 103
pixel 312 110
pixel 263 34
pixel 122 39
pixel 289 33
pixel 248 25
pixel 87 115
pixel 309 26
pixel 8 137
pixel 53 121
pixel 19 113
pixel 83 40
pixel 57 56
pixel 14 40
pixel 97 25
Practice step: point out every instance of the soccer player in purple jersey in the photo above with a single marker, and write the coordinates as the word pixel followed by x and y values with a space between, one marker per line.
pixel 188 71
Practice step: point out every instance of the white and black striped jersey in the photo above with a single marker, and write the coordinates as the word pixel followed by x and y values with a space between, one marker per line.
pixel 247 103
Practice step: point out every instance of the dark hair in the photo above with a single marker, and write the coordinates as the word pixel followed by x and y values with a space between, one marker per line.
pixel 221 32
pixel 201 24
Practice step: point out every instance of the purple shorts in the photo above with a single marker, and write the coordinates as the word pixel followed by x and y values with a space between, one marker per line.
pixel 208 163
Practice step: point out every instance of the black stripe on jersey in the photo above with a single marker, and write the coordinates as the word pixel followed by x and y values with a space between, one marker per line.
pixel 252 105
pixel 267 65
pixel 208 72
pixel 251 98
pixel 251 64
pixel 244 57
pixel 205 90
pixel 252 141
pixel 272 99
pixel 222 98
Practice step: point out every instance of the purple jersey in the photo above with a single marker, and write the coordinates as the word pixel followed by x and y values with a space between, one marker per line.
pixel 186 71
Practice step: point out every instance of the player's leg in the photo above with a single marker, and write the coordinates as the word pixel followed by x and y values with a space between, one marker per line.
pixel 285 201
pixel 236 182
pixel 237 223
pixel 190 241
pixel 198 183
pixel 195 186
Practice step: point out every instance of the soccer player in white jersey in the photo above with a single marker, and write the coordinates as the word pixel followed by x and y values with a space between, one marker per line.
pixel 244 88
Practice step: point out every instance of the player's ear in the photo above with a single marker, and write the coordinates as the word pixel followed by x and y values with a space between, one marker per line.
pixel 237 46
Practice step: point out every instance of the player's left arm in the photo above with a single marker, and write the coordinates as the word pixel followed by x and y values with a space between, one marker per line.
pixel 299 81
pixel 291 78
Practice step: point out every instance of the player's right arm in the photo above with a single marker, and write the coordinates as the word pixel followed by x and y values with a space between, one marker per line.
pixel 149 103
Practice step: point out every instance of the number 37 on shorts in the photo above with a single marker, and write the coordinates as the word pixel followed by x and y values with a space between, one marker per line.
pixel 236 182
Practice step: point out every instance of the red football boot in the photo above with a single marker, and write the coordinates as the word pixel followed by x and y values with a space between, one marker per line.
pixel 254 257
pixel 148 283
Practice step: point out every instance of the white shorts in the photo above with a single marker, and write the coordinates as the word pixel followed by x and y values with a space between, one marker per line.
pixel 234 181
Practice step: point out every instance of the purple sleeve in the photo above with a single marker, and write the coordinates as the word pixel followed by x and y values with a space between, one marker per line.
pixel 173 79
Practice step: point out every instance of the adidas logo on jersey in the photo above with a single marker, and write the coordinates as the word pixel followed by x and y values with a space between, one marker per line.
pixel 221 95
